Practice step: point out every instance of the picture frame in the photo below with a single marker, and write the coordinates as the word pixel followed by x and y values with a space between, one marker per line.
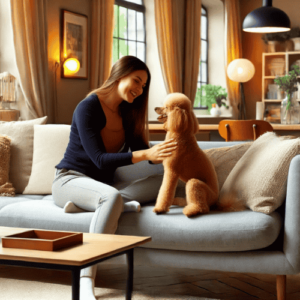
pixel 74 43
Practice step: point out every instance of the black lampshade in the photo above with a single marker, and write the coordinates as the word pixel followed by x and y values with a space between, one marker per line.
pixel 267 19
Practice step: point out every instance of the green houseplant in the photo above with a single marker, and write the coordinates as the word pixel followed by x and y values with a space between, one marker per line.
pixel 209 94
pixel 290 108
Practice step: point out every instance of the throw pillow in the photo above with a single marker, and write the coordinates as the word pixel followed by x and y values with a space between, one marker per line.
pixel 6 188
pixel 225 158
pixel 49 146
pixel 258 180
pixel 21 134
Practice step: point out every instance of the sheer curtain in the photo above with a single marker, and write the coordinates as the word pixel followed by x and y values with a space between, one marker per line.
pixel 29 22
pixel 101 41
pixel 178 37
pixel 233 50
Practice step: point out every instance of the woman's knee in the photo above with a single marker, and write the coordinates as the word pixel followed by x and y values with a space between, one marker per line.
pixel 113 197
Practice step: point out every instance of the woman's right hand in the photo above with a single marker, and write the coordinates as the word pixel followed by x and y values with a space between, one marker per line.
pixel 156 153
pixel 160 151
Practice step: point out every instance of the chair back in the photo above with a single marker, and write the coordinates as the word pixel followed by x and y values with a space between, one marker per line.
pixel 243 130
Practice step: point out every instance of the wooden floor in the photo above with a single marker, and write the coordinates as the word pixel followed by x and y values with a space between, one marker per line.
pixel 167 281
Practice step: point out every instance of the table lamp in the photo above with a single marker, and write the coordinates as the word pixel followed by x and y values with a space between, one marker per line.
pixel 8 88
pixel 241 70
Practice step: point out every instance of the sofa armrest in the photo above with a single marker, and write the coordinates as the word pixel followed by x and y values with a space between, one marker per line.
pixel 291 244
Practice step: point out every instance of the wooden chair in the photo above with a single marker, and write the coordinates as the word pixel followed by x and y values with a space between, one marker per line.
pixel 243 130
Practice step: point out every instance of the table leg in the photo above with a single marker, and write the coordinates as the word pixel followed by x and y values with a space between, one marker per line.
pixel 129 286
pixel 75 284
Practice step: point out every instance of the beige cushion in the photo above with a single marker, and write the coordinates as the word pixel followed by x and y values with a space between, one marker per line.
pixel 258 180
pixel 6 188
pixel 50 143
pixel 21 134
pixel 225 158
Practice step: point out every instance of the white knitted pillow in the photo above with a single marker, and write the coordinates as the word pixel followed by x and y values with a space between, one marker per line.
pixel 258 180
pixel 225 158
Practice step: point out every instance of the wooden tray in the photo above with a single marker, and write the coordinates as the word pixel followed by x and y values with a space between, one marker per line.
pixel 42 240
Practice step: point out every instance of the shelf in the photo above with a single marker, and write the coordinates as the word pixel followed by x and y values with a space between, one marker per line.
pixel 275 100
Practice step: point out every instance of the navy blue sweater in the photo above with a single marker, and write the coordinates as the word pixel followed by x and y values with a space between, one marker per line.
pixel 86 152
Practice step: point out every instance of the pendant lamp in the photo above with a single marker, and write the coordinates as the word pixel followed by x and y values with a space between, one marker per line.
pixel 267 19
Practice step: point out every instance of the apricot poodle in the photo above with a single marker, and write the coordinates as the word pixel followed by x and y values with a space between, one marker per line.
pixel 188 162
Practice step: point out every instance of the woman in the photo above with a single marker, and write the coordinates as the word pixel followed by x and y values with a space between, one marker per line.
pixel 109 121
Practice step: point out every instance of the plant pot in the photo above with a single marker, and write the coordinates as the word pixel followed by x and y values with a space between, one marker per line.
pixel 296 43
pixel 291 114
pixel 273 46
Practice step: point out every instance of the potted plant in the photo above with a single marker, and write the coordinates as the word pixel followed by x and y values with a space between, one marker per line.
pixel 212 94
pixel 290 108
pixel 294 35
pixel 274 39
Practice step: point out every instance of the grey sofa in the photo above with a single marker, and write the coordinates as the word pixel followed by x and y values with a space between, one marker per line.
pixel 235 242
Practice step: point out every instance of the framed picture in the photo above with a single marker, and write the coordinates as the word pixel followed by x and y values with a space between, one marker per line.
pixel 74 43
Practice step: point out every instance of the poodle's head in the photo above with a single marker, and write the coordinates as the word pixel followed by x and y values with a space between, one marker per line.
pixel 177 114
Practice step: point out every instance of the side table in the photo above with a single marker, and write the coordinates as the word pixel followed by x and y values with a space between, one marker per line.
pixel 9 115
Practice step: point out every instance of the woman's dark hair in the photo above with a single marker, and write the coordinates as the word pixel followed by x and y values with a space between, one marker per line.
pixel 135 115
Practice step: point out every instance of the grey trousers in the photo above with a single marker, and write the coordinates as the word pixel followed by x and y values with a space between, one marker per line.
pixel 106 200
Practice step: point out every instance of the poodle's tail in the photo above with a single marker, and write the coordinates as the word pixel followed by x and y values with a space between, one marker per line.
pixel 229 205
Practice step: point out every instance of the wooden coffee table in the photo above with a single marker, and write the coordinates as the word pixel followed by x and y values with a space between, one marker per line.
pixel 95 249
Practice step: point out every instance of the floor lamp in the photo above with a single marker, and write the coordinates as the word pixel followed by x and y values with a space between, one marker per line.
pixel 241 70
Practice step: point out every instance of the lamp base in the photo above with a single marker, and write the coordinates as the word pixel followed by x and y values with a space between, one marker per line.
pixel 5 105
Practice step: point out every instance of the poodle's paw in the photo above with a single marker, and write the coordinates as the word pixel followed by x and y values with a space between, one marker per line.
pixel 160 210
pixel 192 210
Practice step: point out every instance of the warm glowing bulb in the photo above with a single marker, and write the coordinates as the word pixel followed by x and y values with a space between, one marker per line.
pixel 71 65
pixel 240 70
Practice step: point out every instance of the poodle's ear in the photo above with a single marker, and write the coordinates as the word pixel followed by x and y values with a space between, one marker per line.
pixel 195 124
pixel 177 119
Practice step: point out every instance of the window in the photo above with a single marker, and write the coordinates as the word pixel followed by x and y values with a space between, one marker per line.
pixel 203 68
pixel 129 36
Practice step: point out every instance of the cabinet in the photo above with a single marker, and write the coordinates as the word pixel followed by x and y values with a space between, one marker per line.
pixel 273 65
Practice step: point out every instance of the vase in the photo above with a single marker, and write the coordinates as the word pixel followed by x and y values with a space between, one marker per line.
pixel 296 43
pixel 290 113
pixel 215 111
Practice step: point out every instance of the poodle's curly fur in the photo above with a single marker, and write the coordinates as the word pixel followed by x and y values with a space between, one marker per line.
pixel 188 162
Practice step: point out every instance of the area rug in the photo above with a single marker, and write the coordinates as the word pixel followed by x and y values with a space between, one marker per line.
pixel 13 289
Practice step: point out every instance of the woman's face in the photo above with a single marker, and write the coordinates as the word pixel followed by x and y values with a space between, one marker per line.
pixel 132 85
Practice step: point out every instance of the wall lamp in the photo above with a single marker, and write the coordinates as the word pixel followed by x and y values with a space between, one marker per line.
pixel 71 66
pixel 267 19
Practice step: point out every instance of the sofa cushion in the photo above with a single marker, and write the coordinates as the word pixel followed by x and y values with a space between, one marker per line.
pixel 43 215
pixel 258 180
pixel 225 158
pixel 49 146
pixel 4 201
pixel 6 188
pixel 21 134
pixel 216 231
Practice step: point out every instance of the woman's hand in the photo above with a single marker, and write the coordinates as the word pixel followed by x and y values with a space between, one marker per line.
pixel 159 152
pixel 156 153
